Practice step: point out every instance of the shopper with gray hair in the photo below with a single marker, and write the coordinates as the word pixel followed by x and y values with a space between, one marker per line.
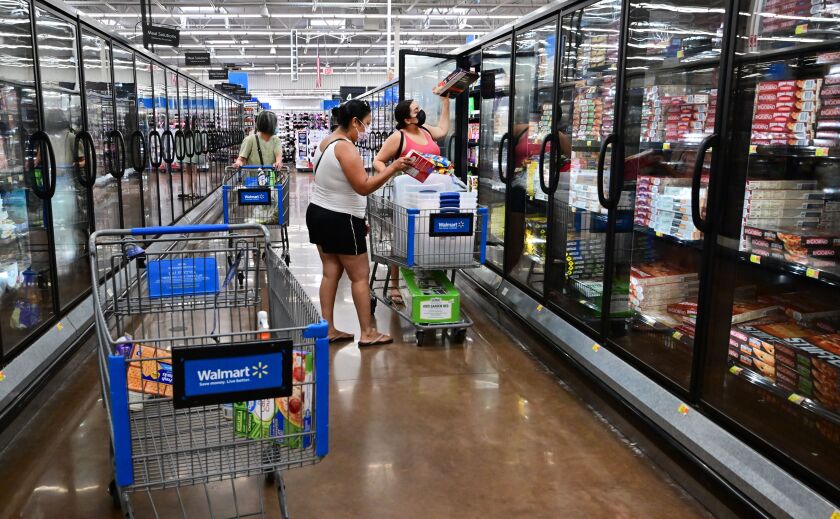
pixel 264 147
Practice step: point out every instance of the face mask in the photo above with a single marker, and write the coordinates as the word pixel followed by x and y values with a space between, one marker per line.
pixel 421 118
pixel 363 134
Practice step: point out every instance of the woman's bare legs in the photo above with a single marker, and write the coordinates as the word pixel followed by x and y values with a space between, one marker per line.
pixel 332 271
pixel 358 270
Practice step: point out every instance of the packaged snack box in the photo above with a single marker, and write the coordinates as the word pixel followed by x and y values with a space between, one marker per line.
pixel 294 413
pixel 153 377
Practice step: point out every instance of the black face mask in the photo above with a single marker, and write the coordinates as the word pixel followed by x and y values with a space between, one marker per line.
pixel 421 118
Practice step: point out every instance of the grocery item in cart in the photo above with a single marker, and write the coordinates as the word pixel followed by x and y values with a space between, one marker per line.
pixel 430 296
pixel 294 413
pixel 152 376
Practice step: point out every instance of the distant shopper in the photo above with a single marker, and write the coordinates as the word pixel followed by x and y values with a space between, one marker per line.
pixel 264 147
pixel 336 217
pixel 411 135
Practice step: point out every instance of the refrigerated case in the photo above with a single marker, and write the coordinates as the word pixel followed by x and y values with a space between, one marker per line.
pixel 383 100
pixel 77 106
pixel 161 148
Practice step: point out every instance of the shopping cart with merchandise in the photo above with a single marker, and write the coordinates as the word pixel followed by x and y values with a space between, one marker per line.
pixel 207 383
pixel 258 195
pixel 429 246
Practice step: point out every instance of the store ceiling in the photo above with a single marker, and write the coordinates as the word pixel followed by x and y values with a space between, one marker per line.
pixel 348 36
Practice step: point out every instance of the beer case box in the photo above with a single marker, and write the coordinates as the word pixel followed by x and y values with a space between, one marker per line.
pixel 430 297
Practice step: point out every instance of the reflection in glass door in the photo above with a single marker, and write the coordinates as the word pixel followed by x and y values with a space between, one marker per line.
pixel 99 102
pixel 61 94
pixel 493 154
pixel 586 112
pixel 773 355
pixel 26 300
pixel 177 145
pixel 421 73
pixel 139 146
pixel 164 180
pixel 126 105
pixel 531 145
pixel 670 104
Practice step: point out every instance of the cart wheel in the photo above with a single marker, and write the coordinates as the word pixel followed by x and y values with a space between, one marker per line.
pixel 114 493
pixel 459 335
pixel 373 302
pixel 420 335
pixel 269 477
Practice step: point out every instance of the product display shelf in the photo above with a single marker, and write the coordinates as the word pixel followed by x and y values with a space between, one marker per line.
pixel 801 401
pixel 697 244
pixel 827 276
pixel 832 153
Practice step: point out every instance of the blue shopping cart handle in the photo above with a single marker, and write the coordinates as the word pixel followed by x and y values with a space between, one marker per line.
pixel 181 229
pixel 270 166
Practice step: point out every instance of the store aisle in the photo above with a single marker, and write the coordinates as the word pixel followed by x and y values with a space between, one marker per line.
pixel 478 430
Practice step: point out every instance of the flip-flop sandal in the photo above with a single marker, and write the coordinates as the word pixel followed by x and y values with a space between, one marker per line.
pixel 342 338
pixel 380 341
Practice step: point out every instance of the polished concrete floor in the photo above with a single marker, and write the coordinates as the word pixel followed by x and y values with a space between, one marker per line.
pixel 474 430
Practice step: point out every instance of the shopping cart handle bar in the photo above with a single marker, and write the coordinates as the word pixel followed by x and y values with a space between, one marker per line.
pixel 316 330
pixel 264 166
pixel 181 229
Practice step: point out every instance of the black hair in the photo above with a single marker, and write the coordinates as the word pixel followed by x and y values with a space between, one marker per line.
pixel 344 113
pixel 266 122
pixel 402 112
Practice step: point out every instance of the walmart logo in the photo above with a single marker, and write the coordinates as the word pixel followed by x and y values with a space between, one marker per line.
pixel 260 370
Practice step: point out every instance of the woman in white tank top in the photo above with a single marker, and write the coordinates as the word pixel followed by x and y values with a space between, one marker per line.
pixel 336 218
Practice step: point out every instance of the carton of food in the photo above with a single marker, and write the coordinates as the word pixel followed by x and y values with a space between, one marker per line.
pixel 152 377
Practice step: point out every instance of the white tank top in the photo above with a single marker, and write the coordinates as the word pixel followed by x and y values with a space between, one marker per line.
pixel 332 190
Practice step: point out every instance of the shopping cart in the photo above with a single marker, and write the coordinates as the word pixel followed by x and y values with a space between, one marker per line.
pixel 422 241
pixel 179 341
pixel 258 195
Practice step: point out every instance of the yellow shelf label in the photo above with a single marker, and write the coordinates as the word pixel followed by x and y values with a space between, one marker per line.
pixel 666 146
pixel 835 515
pixel 59 326
pixel 682 409
pixel 796 399
pixel 755 258
pixel 2 376
pixel 539 308
pixel 680 53
pixel 735 370
pixel 589 143
pixel 753 149
pixel 659 234
pixel 821 152
pixel 802 28
pixel 812 273
pixel 677 335
pixel 596 348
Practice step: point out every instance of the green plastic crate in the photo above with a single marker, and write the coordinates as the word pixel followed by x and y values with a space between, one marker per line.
pixel 431 297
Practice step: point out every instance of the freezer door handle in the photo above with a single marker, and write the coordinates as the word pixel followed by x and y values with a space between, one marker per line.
pixel 696 178
pixel 168 145
pixel 180 146
pixel 40 141
pixel 189 143
pixel 546 188
pixel 138 151
pixel 505 137
pixel 602 155
pixel 115 138
pixel 450 153
pixel 87 173
pixel 205 142
pixel 155 149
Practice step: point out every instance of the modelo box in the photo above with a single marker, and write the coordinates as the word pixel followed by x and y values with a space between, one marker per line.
pixel 430 297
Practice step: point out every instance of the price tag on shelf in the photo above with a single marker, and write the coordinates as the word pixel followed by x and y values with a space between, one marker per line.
pixel 666 146
pixel 682 409
pixel 755 258
pixel 802 28
pixel 821 152
pixel 796 399
pixel 589 143
pixel 812 273
pixel 659 234
pixel 753 149
pixel 735 370
pixel 596 347
pixel 539 308
pixel 677 335
pixel 2 376
pixel 835 515
pixel 59 326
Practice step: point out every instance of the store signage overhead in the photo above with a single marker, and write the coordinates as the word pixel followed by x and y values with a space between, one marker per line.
pixel 228 87
pixel 159 35
pixel 197 59
pixel 216 74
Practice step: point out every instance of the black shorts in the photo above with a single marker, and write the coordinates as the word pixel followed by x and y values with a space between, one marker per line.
pixel 336 233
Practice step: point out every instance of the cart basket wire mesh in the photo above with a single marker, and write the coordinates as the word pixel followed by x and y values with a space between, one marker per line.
pixel 244 200
pixel 178 331
pixel 426 238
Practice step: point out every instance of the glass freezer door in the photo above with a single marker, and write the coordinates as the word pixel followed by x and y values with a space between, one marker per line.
pixel 164 180
pixel 139 153
pixel 419 75
pixel 532 151
pixel 586 113
pixel 173 125
pixel 25 297
pixel 493 141
pixel 126 105
pixel 670 106
pixel 773 359
pixel 61 94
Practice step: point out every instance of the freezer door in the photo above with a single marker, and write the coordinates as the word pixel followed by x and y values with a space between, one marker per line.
pixel 69 200
pixel 533 144
pixel 589 40
pixel 164 180
pixel 131 187
pixel 493 156
pixel 773 359
pixel 138 144
pixel 25 279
